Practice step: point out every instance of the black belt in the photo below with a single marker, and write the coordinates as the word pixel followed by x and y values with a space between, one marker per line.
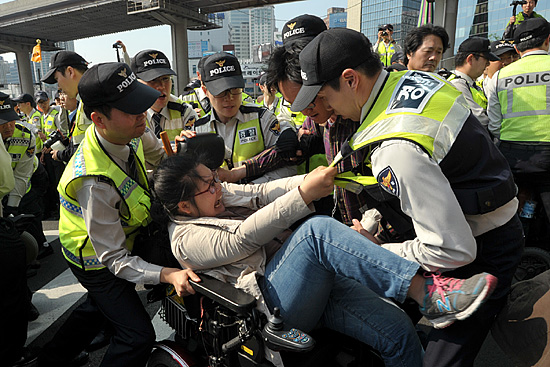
pixel 531 147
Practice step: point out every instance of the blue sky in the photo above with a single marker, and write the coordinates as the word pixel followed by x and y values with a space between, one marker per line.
pixel 99 49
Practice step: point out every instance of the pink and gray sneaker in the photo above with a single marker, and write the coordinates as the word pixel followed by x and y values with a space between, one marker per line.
pixel 450 299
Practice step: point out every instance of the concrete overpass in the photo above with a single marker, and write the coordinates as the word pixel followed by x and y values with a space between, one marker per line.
pixel 23 21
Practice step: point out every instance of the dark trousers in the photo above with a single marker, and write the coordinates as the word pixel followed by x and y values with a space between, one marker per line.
pixel 112 299
pixel 15 301
pixel 55 171
pixel 499 253
pixel 33 203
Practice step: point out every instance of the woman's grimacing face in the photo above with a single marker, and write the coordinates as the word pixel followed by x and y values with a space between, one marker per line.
pixel 206 203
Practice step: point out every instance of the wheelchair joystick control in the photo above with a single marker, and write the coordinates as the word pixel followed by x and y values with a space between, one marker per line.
pixel 275 322
pixel 290 340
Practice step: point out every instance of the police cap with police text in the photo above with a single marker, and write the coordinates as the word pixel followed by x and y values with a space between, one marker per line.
pixel 115 85
pixel 7 113
pixel 222 71
pixel 531 28
pixel 478 45
pixel 62 58
pixel 502 46
pixel 303 26
pixel 150 64
pixel 324 59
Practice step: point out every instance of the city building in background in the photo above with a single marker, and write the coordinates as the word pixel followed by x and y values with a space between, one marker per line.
pixel 336 18
pixel 262 29
pixel 9 74
pixel 487 18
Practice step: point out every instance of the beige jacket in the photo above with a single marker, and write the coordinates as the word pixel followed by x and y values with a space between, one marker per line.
pixel 235 250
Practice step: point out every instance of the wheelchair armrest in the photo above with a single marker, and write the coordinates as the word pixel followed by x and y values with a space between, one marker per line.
pixel 225 294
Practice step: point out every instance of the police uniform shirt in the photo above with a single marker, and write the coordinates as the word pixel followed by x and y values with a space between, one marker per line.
pixel 463 82
pixel 284 113
pixel 60 123
pixel 33 125
pixel 189 114
pixel 271 129
pixel 99 202
pixel 6 173
pixel 22 172
pixel 494 111
pixel 445 235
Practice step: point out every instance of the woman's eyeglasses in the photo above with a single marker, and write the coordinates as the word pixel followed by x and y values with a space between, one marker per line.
pixel 211 185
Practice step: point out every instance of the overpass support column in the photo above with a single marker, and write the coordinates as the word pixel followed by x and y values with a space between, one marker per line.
pixel 25 71
pixel 445 15
pixel 180 54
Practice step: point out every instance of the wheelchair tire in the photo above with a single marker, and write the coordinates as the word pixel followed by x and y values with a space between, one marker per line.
pixel 534 261
pixel 31 246
pixel 161 358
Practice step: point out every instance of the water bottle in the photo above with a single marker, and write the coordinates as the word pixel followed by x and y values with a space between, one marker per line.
pixel 528 210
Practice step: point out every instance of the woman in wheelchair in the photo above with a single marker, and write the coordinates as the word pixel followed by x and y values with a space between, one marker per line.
pixel 324 273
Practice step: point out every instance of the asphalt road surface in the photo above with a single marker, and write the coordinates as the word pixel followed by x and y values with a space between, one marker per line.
pixel 57 293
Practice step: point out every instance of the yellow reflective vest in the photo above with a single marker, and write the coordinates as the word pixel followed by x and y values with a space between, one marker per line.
pixel 20 144
pixel 81 124
pixel 49 121
pixel 90 160
pixel 524 96
pixel 386 52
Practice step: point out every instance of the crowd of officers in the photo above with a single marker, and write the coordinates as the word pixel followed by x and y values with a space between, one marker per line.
pixel 426 158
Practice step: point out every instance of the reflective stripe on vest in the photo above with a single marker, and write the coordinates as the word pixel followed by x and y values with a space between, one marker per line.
pixel 524 97
pixel 19 144
pixel 386 53
pixel 49 121
pixel 174 125
pixel 477 94
pixel 81 124
pixel 90 160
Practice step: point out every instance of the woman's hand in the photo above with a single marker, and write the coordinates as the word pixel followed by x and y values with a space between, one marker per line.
pixel 179 279
pixel 318 184
pixel 359 229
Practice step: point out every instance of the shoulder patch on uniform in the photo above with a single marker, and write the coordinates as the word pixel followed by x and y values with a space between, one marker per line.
pixel 250 109
pixel 275 127
pixel 413 91
pixel 387 179
pixel 203 120
pixel 190 123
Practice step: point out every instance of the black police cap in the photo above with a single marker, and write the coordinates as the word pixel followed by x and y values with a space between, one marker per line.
pixel 303 26
pixel 114 84
pixel 478 45
pixel 222 71
pixel 150 64
pixel 62 58
pixel 7 113
pixel 531 28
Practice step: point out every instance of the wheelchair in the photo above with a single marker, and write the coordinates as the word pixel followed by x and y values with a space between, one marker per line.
pixel 220 326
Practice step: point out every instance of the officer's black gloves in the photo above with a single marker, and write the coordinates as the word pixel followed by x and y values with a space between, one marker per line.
pixel 287 144
pixel 311 144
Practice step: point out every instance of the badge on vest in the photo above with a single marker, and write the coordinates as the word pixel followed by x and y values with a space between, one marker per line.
pixel 249 135
pixel 387 179
pixel 413 91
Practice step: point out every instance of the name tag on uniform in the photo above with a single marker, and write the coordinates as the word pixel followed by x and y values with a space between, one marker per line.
pixel 249 135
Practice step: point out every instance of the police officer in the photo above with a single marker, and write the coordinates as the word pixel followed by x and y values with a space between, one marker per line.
pixel 528 12
pixel 168 113
pixel 274 102
pixel 105 201
pixel 507 54
pixel 428 150
pixel 196 95
pixel 519 110
pixel 472 58
pixel 66 69
pixel 247 130
pixel 34 120
pixel 385 45
pixel 53 122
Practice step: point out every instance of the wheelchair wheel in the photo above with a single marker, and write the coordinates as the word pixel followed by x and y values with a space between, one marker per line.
pixel 534 261
pixel 163 356
pixel 31 246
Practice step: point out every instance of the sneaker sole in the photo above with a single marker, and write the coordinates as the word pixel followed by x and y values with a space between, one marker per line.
pixel 448 320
